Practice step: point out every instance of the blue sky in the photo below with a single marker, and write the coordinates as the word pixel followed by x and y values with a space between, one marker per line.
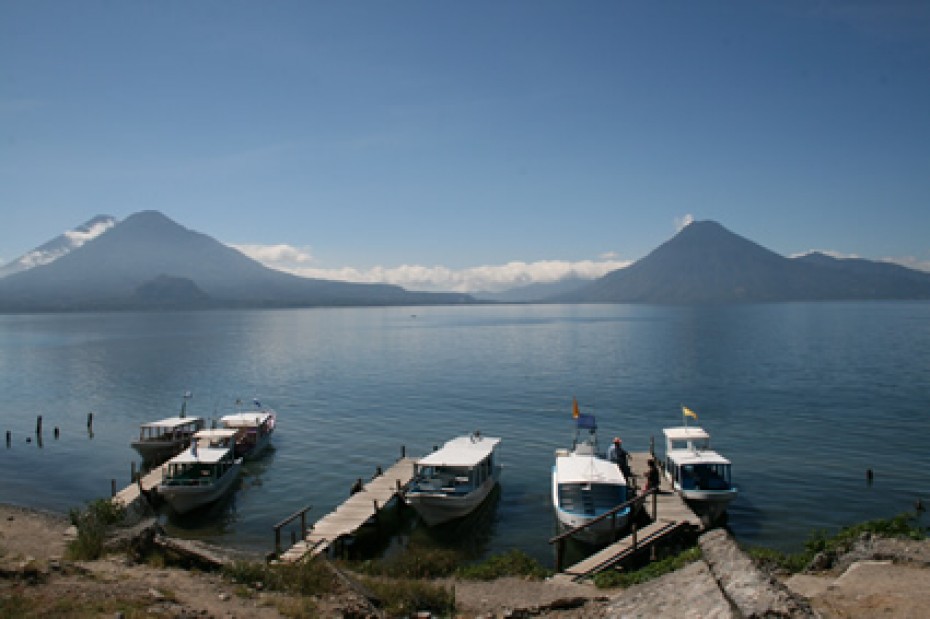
pixel 452 144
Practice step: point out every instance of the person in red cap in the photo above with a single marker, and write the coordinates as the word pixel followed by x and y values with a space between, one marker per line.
pixel 620 457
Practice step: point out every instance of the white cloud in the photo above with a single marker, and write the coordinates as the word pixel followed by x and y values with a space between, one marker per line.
pixel 910 262
pixel 683 222
pixel 79 237
pixel 278 256
pixel 487 278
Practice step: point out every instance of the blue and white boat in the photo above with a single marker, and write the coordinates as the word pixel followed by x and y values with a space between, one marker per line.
pixel 699 474
pixel 203 473
pixel 585 485
pixel 455 479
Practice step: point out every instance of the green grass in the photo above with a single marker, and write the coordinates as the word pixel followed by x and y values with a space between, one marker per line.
pixel 904 526
pixel 651 571
pixel 92 523
pixel 512 563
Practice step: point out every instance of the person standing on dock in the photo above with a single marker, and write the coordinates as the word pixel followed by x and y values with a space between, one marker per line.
pixel 652 476
pixel 620 457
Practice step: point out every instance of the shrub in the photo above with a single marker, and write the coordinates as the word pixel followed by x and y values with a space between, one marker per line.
pixel 904 525
pixel 92 524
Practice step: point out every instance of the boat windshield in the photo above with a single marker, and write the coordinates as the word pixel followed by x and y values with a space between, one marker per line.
pixel 705 477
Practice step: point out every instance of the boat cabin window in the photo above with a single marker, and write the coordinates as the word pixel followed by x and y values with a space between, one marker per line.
pixel 705 477
pixel 701 444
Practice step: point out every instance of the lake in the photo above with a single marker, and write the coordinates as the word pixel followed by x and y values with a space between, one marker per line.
pixel 802 397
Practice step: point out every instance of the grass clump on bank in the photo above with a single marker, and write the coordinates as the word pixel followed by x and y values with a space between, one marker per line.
pixel 311 578
pixel 444 563
pixel 902 526
pixel 403 597
pixel 92 524
pixel 511 563
pixel 610 579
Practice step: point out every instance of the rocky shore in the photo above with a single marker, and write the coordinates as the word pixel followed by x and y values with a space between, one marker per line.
pixel 877 576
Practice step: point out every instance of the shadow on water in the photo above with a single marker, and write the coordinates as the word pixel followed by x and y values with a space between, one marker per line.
pixel 399 528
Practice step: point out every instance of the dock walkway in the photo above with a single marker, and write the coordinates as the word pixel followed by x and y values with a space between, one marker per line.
pixel 348 517
pixel 673 515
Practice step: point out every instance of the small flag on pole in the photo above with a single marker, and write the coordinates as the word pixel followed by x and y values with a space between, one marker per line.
pixel 687 412
pixel 575 411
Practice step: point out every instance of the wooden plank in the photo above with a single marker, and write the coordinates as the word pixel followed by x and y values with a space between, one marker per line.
pixel 354 512
pixel 612 554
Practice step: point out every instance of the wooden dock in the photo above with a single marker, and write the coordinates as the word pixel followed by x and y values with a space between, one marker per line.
pixel 129 497
pixel 673 514
pixel 347 518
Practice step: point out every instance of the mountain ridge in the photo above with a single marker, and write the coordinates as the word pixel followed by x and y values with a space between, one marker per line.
pixel 706 263
pixel 107 271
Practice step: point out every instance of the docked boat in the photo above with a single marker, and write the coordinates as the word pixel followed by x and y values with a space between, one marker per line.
pixel 160 440
pixel 455 479
pixel 255 430
pixel 586 486
pixel 203 473
pixel 701 475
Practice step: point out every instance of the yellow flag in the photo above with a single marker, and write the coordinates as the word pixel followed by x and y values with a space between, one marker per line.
pixel 688 412
pixel 575 412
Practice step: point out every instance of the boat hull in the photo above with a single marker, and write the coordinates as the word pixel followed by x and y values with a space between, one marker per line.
pixel 437 508
pixel 156 452
pixel 603 532
pixel 709 505
pixel 185 497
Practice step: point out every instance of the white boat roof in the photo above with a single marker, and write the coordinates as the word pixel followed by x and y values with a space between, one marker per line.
pixel 690 456
pixel 461 451
pixel 205 455
pixel 171 422
pixel 216 433
pixel 685 433
pixel 581 469
pixel 246 420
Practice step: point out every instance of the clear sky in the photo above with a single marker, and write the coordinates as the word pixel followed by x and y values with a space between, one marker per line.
pixel 446 140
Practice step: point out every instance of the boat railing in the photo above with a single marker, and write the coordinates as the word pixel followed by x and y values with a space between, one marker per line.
pixel 634 504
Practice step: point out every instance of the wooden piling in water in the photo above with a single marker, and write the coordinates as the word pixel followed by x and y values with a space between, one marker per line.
pixel 39 424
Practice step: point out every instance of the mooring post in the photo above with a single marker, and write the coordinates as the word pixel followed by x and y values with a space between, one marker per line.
pixel 655 504
pixel 277 540
pixel 90 420
pixel 56 433
pixel 303 524
pixel 9 438
pixel 39 424
pixel 559 550
pixel 112 487
pixel 403 451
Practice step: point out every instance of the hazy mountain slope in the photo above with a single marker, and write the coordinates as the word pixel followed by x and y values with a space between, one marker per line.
pixel 60 245
pixel 108 271
pixel 706 263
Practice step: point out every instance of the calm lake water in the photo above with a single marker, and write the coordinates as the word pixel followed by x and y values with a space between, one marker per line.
pixel 803 398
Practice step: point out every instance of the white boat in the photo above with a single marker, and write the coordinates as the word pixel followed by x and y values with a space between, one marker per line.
pixel 159 440
pixel 585 485
pixel 699 474
pixel 256 428
pixel 203 473
pixel 453 480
